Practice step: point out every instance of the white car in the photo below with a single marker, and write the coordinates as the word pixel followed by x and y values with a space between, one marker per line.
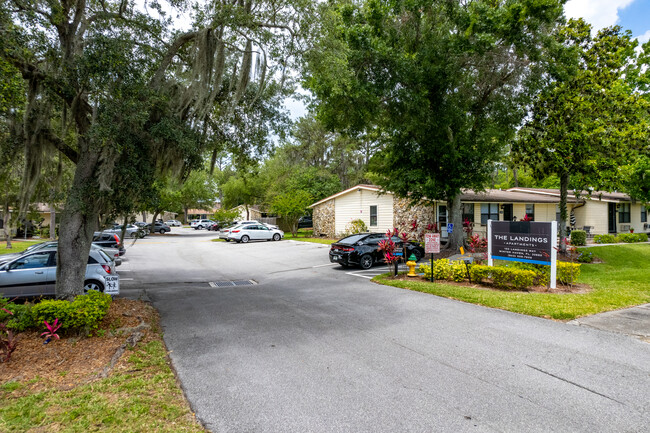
pixel 34 274
pixel 201 224
pixel 254 232
pixel 173 223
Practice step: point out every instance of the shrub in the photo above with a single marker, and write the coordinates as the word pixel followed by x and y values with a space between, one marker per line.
pixel 568 273
pixel 355 226
pixel 83 314
pixel 22 318
pixel 458 271
pixel 585 257
pixel 578 237
pixel 632 237
pixel 605 239
pixel 479 273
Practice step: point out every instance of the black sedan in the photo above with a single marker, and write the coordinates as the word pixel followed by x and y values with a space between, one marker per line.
pixel 363 249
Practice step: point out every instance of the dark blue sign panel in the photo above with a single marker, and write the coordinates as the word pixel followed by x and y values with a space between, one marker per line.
pixel 522 241
pixel 450 228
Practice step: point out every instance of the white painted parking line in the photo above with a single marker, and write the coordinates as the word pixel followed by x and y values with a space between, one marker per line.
pixel 126 279
pixel 328 264
pixel 124 270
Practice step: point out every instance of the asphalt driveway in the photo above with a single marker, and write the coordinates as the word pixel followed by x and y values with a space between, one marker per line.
pixel 310 347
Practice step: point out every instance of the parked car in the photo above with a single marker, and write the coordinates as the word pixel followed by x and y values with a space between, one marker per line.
pixel 254 232
pixel 34 274
pixel 363 249
pixel 159 227
pixel 305 222
pixel 225 231
pixel 201 224
pixel 173 223
pixel 108 240
pixel 132 231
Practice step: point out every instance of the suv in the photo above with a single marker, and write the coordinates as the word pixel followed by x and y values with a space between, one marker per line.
pixel 305 222
pixel 159 227
pixel 201 224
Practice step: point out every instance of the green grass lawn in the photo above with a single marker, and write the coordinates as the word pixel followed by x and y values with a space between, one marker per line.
pixel 622 280
pixel 306 235
pixel 143 398
pixel 17 246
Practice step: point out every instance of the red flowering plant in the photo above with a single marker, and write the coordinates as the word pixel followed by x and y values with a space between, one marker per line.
pixel 8 340
pixel 387 247
pixel 51 331
pixel 476 243
pixel 526 218
pixel 468 227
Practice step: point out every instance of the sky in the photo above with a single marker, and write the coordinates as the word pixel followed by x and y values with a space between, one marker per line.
pixel 631 15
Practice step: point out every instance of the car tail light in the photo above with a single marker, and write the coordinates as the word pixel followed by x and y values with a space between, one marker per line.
pixel 235 231
pixel 345 249
pixel 107 268
pixel 116 239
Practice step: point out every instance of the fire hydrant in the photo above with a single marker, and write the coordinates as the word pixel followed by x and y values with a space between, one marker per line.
pixel 411 264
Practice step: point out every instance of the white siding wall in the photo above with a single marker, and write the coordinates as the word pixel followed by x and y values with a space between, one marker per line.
pixel 594 213
pixel 356 205
pixel 635 219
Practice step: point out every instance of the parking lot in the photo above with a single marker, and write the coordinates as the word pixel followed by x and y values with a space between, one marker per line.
pixel 270 336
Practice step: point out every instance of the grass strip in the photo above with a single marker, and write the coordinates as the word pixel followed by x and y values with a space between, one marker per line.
pixel 19 246
pixel 620 281
pixel 143 397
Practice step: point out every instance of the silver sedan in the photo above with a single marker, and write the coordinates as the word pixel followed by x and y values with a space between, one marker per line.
pixel 254 232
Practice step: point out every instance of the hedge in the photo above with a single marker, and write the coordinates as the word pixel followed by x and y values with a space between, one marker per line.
pixel 83 314
pixel 578 237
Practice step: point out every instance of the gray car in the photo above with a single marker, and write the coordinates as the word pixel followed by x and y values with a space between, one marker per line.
pixel 34 274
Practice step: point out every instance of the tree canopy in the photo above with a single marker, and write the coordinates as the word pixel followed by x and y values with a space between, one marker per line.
pixel 440 85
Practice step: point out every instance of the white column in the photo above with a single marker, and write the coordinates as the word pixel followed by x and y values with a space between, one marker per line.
pixel 553 254
pixel 489 236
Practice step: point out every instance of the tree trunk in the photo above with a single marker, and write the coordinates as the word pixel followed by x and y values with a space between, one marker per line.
pixel 5 224
pixel 123 233
pixel 564 186
pixel 78 222
pixel 144 216
pixel 515 177
pixel 153 220
pixel 454 213
pixel 52 222
pixel 185 215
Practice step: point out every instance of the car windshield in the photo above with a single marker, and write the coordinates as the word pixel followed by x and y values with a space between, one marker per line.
pixel 352 239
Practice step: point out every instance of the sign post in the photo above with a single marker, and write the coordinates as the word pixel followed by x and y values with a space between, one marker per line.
pixel 431 246
pixel 524 241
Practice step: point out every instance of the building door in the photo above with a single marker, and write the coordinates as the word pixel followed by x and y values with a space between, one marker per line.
pixel 611 217
pixel 507 212
pixel 442 221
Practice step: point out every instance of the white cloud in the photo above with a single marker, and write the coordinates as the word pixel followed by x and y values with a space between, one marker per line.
pixel 644 37
pixel 599 13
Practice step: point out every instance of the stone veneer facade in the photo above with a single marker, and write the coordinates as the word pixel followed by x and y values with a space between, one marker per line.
pixel 324 220
pixel 404 214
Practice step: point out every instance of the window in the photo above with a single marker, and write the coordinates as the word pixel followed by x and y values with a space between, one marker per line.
pixel 624 213
pixel 530 211
pixel 489 211
pixel 468 212
pixel 373 216
pixel 644 214
pixel 38 260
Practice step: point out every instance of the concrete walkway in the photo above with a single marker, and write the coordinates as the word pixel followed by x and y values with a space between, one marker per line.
pixel 633 321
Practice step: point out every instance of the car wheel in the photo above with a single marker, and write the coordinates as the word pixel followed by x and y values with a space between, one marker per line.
pixel 245 239
pixel 161 231
pixel 227 240
pixel 93 285
pixel 276 237
pixel 199 227
pixel 366 261
pixel 134 235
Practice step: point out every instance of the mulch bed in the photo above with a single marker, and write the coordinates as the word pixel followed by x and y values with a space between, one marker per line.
pixel 75 359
